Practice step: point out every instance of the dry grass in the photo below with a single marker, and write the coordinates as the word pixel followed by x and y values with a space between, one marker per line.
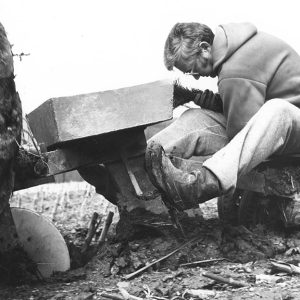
pixel 69 205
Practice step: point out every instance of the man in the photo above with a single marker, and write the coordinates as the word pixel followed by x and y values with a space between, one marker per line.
pixel 259 84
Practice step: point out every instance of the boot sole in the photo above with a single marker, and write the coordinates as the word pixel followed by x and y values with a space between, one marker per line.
pixel 153 160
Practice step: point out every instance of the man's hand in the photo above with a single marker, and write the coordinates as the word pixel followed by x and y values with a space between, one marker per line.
pixel 205 99
pixel 209 100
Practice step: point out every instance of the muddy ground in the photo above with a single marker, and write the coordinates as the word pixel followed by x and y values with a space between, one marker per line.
pixel 244 255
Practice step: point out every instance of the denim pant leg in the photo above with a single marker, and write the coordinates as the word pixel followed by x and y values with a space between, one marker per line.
pixel 274 129
pixel 197 132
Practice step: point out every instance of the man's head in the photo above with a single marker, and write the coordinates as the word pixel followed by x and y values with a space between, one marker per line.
pixel 188 48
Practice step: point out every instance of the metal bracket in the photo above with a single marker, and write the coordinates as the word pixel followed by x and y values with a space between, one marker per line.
pixel 131 175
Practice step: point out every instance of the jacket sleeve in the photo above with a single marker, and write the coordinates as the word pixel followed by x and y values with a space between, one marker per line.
pixel 206 99
pixel 209 100
pixel 242 98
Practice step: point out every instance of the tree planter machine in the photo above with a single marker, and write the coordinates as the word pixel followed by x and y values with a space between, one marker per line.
pixel 102 136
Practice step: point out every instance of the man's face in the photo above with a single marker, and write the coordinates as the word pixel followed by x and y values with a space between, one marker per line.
pixel 198 65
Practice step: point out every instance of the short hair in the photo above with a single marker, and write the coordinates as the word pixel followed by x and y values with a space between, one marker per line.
pixel 182 42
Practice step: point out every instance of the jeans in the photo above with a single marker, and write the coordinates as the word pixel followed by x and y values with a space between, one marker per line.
pixel 197 132
pixel 274 129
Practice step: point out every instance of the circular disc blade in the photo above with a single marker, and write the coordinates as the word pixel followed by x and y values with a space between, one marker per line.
pixel 42 241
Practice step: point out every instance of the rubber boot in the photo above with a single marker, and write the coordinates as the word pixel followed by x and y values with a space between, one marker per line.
pixel 290 212
pixel 183 190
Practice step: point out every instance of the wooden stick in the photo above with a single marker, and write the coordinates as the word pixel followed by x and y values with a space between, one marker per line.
pixel 132 178
pixel 201 262
pixel 285 267
pixel 200 293
pixel 56 204
pixel 63 203
pixel 105 229
pixel 83 204
pixel 130 276
pixel 94 224
pixel 127 296
pixel 42 205
pixel 111 296
pixel 35 202
pixel 174 218
pixel 229 281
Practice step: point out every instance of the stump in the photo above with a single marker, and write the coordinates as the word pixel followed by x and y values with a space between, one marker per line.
pixel 10 133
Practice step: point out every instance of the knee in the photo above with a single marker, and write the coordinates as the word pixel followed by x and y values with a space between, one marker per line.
pixel 202 116
pixel 191 113
pixel 277 107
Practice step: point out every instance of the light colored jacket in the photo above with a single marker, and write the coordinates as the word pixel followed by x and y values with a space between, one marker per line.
pixel 253 67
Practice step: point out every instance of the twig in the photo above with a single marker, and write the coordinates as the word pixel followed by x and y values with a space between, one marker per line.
pixel 201 262
pixel 105 229
pixel 20 55
pixel 94 224
pixel 130 276
pixel 35 202
pixel 149 294
pixel 64 203
pixel 111 296
pixel 285 267
pixel 29 131
pixel 229 281
pixel 174 218
pixel 127 296
pixel 131 175
pixel 42 205
pixel 200 293
pixel 56 204
pixel 83 204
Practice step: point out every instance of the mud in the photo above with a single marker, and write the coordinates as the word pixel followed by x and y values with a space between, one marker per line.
pixel 246 253
pixel 236 244
pixel 30 165
pixel 281 176
pixel 17 268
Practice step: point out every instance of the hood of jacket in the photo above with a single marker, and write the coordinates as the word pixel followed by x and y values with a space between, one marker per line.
pixel 228 39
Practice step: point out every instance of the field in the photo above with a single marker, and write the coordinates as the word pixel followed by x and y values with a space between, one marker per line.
pixel 68 205
pixel 71 205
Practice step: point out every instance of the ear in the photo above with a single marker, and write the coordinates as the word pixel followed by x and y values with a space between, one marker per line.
pixel 204 46
pixel 204 49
